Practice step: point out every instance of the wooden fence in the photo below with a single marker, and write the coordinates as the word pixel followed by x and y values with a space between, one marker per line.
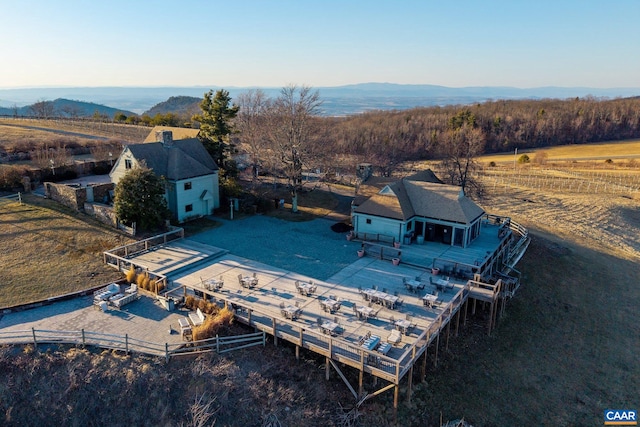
pixel 128 344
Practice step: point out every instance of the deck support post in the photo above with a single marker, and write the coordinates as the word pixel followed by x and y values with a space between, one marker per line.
pixel 409 383
pixel 473 307
pixel 457 322
pixel 327 366
pixel 275 332
pixel 446 341
pixel 396 389
pixel 490 319
pixel 435 359
pixel 360 378
pixel 297 352
pixel 466 308
pixel 423 365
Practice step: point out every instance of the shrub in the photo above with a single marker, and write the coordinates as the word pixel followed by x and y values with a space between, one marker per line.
pixel 190 302
pixel 146 283
pixel 608 161
pixel 131 274
pixel 140 281
pixel 524 159
pixel 492 164
pixel 212 325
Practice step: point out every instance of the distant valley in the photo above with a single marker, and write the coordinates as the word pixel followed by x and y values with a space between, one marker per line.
pixel 337 101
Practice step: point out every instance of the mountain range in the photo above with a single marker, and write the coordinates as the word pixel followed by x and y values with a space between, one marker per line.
pixel 337 100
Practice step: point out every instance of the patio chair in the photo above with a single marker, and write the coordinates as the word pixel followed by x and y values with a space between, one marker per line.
pixel 297 304
pixel 399 302
pixel 255 275
pixel 384 290
pixel 404 280
pixel 396 293
pixel 281 305
pixel 392 319
pixel 319 321
pixel 408 317
pixel 240 278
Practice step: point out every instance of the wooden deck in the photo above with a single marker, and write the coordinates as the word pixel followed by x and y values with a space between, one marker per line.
pixel 260 307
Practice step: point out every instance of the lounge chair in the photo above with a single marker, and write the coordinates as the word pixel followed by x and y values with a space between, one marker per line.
pixel 197 318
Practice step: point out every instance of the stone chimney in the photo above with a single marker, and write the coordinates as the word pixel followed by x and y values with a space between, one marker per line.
pixel 166 137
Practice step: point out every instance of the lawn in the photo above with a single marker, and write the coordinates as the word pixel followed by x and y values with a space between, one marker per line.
pixel 49 250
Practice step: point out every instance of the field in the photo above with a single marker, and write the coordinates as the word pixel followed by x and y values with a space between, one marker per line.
pixel 600 151
pixel 565 350
pixel 48 250
pixel 25 135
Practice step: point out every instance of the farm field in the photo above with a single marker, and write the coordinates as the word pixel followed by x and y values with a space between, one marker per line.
pixel 598 151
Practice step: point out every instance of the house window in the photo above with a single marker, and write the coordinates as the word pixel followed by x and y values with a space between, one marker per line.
pixel 188 208
pixel 187 185
pixel 368 220
pixel 127 164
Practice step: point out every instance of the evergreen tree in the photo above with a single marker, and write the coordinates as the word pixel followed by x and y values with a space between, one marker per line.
pixel 139 198
pixel 216 127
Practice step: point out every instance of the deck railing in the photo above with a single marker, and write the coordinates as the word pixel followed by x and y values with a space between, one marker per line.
pixel 128 344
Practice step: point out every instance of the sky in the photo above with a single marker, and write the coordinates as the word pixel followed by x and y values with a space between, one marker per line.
pixel 319 43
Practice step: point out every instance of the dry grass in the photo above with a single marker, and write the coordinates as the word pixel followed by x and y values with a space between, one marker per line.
pixel 601 150
pixel 312 204
pixel 16 134
pixel 48 250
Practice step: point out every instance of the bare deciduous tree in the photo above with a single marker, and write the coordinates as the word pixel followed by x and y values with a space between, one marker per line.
pixel 251 125
pixel 459 149
pixel 292 126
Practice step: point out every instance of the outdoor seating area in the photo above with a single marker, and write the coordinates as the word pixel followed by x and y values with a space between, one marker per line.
pixel 394 337
pixel 212 284
pixel 331 304
pixel 291 312
pixel 379 297
pixel 429 299
pixel 413 285
pixel 306 288
pixel 107 292
pixel 441 283
pixel 185 327
pixel 113 295
pixel 197 318
pixel 248 282
pixel 405 326
pixel 369 341
pixel 327 326
pixel 363 312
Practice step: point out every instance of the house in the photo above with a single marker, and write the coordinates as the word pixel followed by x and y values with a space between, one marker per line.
pixel 190 173
pixel 418 207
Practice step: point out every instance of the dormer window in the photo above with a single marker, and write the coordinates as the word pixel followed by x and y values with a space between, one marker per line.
pixel 127 164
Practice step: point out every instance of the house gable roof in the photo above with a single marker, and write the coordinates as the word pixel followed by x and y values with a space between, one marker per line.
pixel 178 133
pixel 183 159
pixel 417 196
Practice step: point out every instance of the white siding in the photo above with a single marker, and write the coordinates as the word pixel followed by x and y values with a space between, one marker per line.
pixel 119 168
pixel 200 206
pixel 385 226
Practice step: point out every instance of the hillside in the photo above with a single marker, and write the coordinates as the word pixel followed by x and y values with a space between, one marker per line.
pixel 179 105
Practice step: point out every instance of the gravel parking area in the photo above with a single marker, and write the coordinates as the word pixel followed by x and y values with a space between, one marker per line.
pixel 309 248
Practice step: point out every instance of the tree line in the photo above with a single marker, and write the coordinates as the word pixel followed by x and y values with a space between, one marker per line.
pixel 285 135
